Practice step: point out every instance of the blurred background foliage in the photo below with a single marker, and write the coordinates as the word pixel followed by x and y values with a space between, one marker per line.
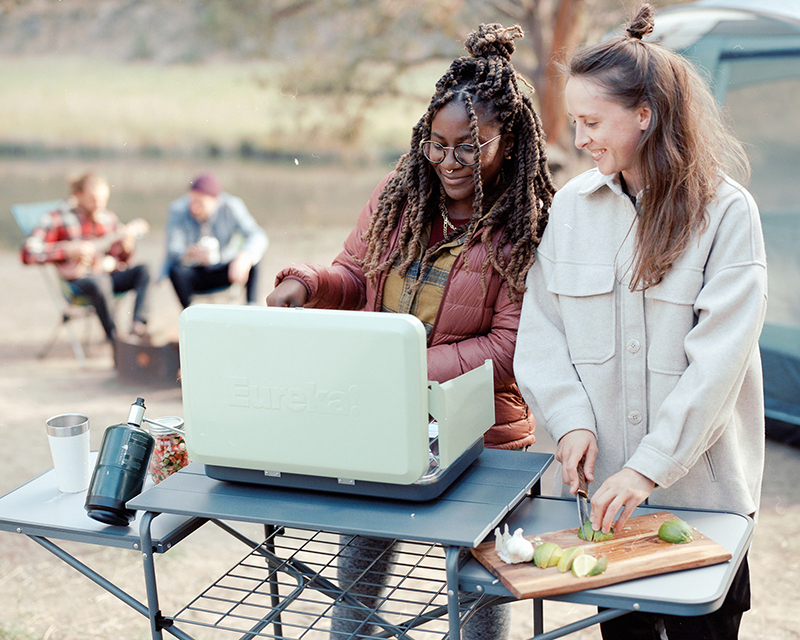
pixel 267 79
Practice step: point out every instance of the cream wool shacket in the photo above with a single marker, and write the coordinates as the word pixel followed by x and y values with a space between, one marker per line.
pixel 669 380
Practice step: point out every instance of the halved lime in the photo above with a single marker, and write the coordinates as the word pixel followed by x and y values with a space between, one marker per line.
pixel 569 555
pixel 587 532
pixel 546 555
pixel 582 565
pixel 599 567
pixel 676 531
pixel 599 536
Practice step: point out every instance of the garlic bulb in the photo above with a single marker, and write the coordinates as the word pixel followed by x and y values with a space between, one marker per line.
pixel 512 549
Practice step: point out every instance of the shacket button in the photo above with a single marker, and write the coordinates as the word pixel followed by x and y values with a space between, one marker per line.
pixel 633 346
pixel 634 417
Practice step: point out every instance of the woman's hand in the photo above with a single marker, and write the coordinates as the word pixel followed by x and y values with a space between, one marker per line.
pixel 289 293
pixel 572 448
pixel 626 488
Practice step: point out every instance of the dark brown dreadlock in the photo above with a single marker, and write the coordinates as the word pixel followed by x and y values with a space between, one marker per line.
pixel 484 80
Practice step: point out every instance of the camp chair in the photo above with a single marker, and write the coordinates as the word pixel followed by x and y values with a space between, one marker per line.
pixel 70 304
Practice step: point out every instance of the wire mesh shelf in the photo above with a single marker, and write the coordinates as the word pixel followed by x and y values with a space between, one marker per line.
pixel 288 587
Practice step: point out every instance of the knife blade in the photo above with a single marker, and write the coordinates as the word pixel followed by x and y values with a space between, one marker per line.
pixel 582 496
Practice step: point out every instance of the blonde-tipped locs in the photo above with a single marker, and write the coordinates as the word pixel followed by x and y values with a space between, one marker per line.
pixel 515 213
pixel 682 153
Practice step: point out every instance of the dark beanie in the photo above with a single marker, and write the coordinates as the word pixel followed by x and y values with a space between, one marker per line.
pixel 207 183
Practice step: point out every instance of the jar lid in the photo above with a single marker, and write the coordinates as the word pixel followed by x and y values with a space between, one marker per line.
pixel 166 425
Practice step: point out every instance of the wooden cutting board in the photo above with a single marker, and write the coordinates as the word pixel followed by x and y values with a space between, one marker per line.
pixel 634 552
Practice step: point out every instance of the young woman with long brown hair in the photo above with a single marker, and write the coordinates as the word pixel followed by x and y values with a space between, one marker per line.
pixel 638 340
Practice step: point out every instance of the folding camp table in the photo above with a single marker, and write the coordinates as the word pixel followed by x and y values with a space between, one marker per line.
pixel 253 600
pixel 286 586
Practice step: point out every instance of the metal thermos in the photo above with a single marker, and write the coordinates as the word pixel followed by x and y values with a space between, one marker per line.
pixel 121 469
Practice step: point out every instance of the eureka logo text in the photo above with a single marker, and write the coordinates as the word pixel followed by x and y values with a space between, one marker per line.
pixel 243 393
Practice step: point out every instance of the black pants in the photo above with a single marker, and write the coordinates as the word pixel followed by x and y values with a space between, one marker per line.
pixel 100 291
pixel 190 280
pixel 722 624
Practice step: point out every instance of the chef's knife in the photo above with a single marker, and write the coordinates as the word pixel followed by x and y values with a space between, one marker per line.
pixel 582 496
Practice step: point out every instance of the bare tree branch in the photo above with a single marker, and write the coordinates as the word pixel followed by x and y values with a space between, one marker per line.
pixel 286 10
pixel 513 10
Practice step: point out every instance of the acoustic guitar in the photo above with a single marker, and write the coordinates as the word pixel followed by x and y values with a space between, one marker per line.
pixel 102 262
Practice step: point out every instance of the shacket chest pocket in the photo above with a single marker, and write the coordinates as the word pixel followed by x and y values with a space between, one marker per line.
pixel 586 298
pixel 669 307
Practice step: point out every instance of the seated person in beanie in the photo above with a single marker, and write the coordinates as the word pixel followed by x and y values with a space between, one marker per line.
pixel 212 242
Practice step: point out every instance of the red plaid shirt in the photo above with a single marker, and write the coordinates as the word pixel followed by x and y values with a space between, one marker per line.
pixel 46 243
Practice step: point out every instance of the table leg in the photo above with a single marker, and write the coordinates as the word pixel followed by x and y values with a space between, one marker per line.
pixel 451 568
pixel 148 561
pixel 538 616
pixel 270 531
pixel 157 622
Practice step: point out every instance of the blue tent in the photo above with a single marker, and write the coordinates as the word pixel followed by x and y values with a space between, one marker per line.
pixel 751 52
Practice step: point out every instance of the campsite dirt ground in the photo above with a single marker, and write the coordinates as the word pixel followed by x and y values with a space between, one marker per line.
pixel 42 598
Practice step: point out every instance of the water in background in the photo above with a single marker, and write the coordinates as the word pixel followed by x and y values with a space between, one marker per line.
pixel 301 195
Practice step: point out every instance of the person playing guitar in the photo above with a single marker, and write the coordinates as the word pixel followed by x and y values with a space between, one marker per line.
pixel 91 249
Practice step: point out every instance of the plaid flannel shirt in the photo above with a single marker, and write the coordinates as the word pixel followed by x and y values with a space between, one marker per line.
pixel 421 294
pixel 46 243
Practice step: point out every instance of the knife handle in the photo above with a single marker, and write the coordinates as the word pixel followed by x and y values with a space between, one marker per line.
pixel 583 487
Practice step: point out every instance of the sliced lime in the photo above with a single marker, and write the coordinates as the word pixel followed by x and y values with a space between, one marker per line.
pixel 569 555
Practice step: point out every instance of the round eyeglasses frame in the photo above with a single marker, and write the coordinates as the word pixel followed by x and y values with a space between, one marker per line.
pixel 465 147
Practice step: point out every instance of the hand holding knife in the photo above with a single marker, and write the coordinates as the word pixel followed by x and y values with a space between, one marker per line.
pixel 576 450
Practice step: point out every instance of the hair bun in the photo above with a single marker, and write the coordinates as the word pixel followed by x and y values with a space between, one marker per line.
pixel 642 24
pixel 492 40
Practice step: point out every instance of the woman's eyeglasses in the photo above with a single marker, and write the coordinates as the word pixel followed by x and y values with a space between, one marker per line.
pixel 464 153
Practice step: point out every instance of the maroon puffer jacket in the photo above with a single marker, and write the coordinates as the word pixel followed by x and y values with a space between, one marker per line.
pixel 474 323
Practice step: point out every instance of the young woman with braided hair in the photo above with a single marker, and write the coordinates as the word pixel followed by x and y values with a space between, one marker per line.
pixel 638 340
pixel 449 236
